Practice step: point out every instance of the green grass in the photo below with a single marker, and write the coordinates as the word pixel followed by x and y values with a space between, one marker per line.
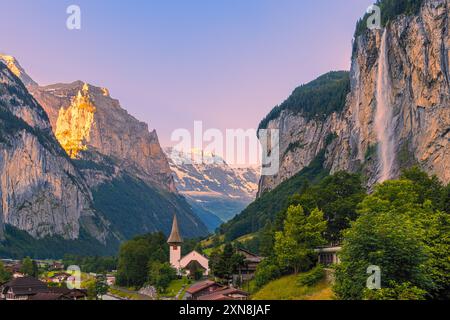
pixel 174 287
pixel 286 288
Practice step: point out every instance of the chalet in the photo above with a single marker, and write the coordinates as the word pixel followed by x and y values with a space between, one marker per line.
pixel 68 294
pixel 15 270
pixel 59 277
pixel 22 288
pixel 328 255
pixel 251 262
pixel 202 288
pixel 58 266
pixel 226 293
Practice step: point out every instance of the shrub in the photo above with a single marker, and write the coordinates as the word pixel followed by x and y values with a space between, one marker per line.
pixel 311 277
pixel 404 291
pixel 266 271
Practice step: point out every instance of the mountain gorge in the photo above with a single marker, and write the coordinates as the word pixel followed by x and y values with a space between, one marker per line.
pixel 115 166
pixel 215 190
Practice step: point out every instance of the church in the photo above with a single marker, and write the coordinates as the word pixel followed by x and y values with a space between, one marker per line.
pixel 189 263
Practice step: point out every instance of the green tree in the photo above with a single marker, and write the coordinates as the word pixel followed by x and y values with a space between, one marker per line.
pixel 101 287
pixel 135 256
pixel 294 246
pixel 29 267
pixel 406 238
pixel 160 275
pixel 5 276
pixel 224 263
pixel 266 271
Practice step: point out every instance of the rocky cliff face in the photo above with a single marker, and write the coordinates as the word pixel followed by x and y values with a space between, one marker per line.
pixel 405 68
pixel 86 118
pixel 110 176
pixel 41 191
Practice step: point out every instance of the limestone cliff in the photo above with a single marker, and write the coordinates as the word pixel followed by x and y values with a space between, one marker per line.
pixel 41 191
pixel 120 160
pixel 404 68
pixel 86 118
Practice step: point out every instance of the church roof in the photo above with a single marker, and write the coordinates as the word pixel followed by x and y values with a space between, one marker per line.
pixel 175 237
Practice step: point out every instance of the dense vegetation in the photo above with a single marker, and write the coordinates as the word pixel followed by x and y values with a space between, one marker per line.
pixel 225 262
pixel 5 276
pixel 390 9
pixel 19 244
pixel 316 99
pixel 93 264
pixel 264 209
pixel 136 257
pixel 402 228
pixel 144 208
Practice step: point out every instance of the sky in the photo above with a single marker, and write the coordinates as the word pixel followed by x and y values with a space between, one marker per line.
pixel 172 62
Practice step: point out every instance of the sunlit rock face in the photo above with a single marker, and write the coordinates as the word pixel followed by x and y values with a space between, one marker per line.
pixel 17 69
pixel 41 192
pixel 418 97
pixel 120 160
pixel 86 119
pixel 74 124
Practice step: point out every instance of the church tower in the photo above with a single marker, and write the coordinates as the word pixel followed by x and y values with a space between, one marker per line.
pixel 175 242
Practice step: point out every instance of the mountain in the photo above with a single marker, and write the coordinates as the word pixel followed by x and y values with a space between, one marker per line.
pixel 112 157
pixel 390 112
pixel 42 192
pixel 396 110
pixel 216 191
pixel 17 69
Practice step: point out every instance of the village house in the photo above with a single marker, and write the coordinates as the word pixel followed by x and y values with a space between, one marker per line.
pixel 328 255
pixel 226 293
pixel 251 262
pixel 201 288
pixel 22 288
pixel 59 277
pixel 29 288
pixel 210 290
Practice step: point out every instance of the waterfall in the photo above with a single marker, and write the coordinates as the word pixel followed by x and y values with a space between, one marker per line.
pixel 383 117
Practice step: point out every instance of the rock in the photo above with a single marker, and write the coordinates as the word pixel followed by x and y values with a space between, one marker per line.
pixel 41 191
pixel 149 291
pixel 418 58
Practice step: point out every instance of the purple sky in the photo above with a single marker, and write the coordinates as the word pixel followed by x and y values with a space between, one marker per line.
pixel 225 62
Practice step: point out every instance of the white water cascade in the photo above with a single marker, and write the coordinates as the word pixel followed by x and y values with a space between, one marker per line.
pixel 383 117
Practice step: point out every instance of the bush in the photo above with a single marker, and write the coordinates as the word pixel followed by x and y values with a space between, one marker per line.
pixel 311 277
pixel 404 291
pixel 266 271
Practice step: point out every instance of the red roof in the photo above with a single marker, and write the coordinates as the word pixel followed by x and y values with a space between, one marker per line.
pixel 223 294
pixel 200 286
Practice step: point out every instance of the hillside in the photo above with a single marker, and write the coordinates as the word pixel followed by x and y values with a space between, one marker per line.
pixel 265 208
pixel 286 288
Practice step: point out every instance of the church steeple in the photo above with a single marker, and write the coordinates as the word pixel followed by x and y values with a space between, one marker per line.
pixel 175 237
